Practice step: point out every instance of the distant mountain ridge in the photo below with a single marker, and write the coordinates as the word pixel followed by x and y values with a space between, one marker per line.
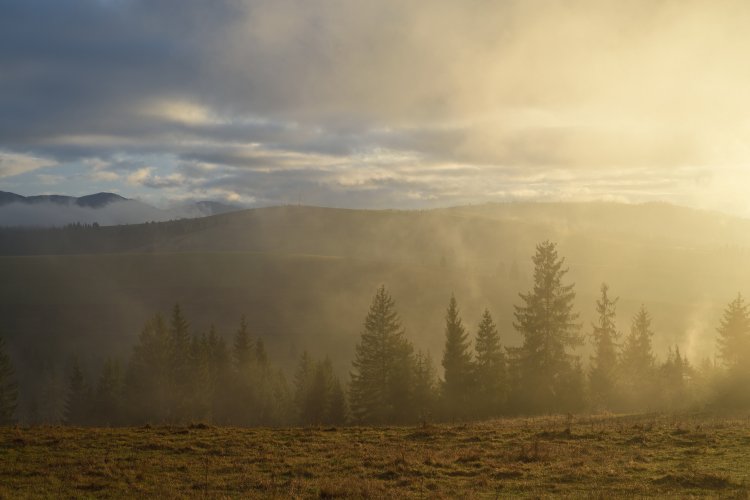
pixel 101 208
pixel 96 200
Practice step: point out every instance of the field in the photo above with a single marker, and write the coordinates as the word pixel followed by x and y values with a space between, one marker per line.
pixel 597 456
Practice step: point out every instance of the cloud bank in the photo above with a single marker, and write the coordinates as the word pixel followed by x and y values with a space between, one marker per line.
pixel 377 104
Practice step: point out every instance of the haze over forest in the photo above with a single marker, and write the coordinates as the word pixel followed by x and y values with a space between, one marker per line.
pixel 304 277
pixel 287 161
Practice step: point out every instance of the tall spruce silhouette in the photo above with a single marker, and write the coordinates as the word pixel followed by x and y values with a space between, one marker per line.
pixel 457 383
pixel 543 363
pixel 734 336
pixel 382 367
pixel 604 361
pixel 490 368
pixel 638 362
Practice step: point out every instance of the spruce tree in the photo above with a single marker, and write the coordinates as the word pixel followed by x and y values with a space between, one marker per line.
pixel 425 386
pixel 302 381
pixel 242 347
pixel 457 383
pixel 181 374
pixel 8 388
pixel 604 361
pixel 490 368
pixel 638 361
pixel 199 399
pixel 675 375
pixel 148 384
pixel 244 405
pixel 78 400
pixel 381 379
pixel 108 398
pixel 549 328
pixel 337 409
pixel 319 393
pixel 220 374
pixel 734 336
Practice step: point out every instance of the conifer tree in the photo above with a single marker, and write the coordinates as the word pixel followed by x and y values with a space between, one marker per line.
pixel 200 396
pixel 337 409
pixel 244 405
pixel 51 392
pixel 734 336
pixel 549 328
pixel 220 375
pixel 425 386
pixel 242 346
pixel 380 386
pixel 490 368
pixel 676 373
pixel 604 361
pixel 319 395
pixel 302 381
pixel 181 374
pixel 8 388
pixel 108 399
pixel 457 383
pixel 638 361
pixel 148 384
pixel 77 403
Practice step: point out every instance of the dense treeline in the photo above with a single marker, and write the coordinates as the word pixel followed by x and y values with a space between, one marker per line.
pixel 173 375
pixel 78 238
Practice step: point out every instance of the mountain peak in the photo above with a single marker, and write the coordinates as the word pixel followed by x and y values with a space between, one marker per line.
pixel 99 200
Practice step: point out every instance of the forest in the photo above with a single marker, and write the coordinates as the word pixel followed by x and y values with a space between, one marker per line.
pixel 176 375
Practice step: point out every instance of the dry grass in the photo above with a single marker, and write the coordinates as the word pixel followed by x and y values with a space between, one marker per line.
pixel 599 456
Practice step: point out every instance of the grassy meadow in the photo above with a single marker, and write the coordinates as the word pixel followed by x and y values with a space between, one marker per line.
pixel 596 456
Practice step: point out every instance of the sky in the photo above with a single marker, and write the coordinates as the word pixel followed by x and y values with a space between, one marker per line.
pixel 378 104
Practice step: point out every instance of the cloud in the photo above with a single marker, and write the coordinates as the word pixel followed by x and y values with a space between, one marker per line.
pixel 12 164
pixel 465 100
pixel 145 177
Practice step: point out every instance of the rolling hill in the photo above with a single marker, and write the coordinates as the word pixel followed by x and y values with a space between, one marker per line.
pixel 304 276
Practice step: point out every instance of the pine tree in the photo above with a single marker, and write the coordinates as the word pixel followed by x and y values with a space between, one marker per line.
pixel 549 328
pixel 603 368
pixel 734 336
pixel 458 383
pixel 675 374
pixel 319 395
pixel 337 409
pixel 180 365
pixel 302 381
pixel 638 361
pixel 220 375
pixel 77 403
pixel 244 406
pixel 108 399
pixel 51 392
pixel 8 388
pixel 199 399
pixel 243 346
pixel 148 387
pixel 425 386
pixel 490 368
pixel 380 386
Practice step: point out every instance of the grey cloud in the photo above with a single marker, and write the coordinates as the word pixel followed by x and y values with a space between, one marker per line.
pixel 314 85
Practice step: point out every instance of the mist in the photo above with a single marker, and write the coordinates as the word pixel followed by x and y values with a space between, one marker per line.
pixel 304 277
pixel 54 214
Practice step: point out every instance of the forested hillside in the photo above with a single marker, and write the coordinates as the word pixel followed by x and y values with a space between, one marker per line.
pixel 304 277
